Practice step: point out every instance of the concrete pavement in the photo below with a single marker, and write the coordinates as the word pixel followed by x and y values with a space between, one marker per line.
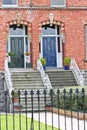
pixel 61 123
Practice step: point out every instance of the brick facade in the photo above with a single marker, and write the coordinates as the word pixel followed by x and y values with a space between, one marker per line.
pixel 72 21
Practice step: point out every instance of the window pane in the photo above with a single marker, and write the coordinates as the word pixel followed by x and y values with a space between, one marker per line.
pixel 58 42
pixel 26 30
pixel 58 30
pixel 48 30
pixel 58 2
pixel 39 47
pixel 9 2
pixel 26 41
pixel 16 30
pixel 7 47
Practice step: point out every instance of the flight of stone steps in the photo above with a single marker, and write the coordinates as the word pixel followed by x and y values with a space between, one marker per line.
pixel 27 80
pixel 61 78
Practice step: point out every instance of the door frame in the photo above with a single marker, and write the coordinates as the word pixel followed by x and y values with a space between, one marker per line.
pixel 59 55
pixel 23 36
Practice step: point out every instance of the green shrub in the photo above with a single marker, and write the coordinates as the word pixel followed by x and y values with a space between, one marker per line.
pixel 74 102
pixel 43 61
pixel 67 61
pixel 11 53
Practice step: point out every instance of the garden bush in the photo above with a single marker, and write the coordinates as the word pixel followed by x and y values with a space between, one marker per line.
pixel 67 101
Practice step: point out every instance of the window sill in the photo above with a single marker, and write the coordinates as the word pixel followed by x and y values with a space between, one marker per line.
pixel 9 6
pixel 58 6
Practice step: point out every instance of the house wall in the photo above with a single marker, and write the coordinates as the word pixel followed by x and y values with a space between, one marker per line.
pixel 74 21
pixel 48 3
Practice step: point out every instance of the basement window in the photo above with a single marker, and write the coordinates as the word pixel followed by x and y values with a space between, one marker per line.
pixel 58 3
pixel 9 2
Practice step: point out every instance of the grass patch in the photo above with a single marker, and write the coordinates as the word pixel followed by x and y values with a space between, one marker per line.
pixel 20 121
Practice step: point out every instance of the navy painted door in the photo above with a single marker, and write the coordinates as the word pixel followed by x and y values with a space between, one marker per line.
pixel 49 50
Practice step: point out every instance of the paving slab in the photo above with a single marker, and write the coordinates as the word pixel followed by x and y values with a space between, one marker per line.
pixel 63 121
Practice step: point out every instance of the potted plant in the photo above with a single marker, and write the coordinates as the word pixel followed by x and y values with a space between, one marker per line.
pixel 43 61
pixel 27 53
pixel 14 96
pixel 11 54
pixel 67 61
pixel 28 63
pixel 17 105
pixel 10 64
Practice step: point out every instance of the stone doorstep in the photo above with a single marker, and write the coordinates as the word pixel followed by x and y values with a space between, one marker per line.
pixel 78 115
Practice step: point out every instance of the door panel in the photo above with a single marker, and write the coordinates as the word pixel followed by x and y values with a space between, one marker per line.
pixel 17 46
pixel 49 50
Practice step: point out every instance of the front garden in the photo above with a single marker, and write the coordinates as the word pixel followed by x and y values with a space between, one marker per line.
pixel 71 99
pixel 20 122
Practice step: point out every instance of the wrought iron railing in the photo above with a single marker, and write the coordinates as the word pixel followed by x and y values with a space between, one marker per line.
pixel 67 111
pixel 8 77
pixel 44 76
pixel 77 73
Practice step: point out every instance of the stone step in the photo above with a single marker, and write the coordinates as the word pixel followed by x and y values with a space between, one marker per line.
pixel 29 89
pixel 28 81
pixel 26 78
pixel 25 73
pixel 60 78
pixel 60 75
pixel 41 102
pixel 63 81
pixel 63 85
pixel 28 85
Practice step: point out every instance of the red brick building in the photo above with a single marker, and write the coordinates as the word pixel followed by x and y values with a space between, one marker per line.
pixel 50 28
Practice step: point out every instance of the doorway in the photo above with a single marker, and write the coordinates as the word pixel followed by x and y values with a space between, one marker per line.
pixel 51 45
pixel 49 51
pixel 18 44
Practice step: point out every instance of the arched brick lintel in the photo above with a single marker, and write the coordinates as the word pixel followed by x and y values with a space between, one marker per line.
pixel 23 22
pixel 61 24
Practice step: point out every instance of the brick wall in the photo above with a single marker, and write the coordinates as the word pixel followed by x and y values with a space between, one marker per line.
pixel 74 21
pixel 48 2
pixel 76 3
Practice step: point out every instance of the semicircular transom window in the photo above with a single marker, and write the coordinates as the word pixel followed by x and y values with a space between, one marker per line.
pixel 18 30
pixel 48 30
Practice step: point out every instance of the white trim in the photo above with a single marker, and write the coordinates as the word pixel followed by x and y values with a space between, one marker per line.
pixel 41 54
pixel 10 6
pixel 24 53
pixel 18 35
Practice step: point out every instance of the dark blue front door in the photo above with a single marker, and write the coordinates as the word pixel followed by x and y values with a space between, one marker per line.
pixel 49 50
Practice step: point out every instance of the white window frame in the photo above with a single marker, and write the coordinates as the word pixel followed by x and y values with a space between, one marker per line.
pixel 10 5
pixel 58 5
